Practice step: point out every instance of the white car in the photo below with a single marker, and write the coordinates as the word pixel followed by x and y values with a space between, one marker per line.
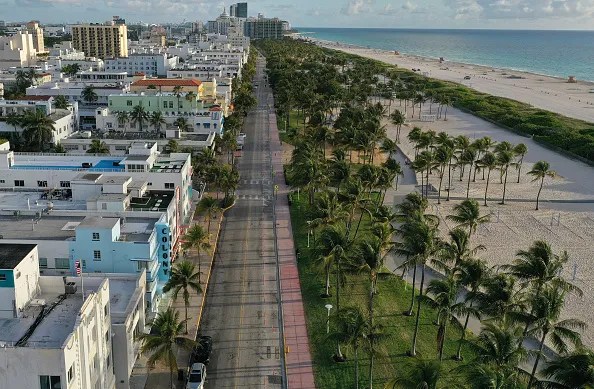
pixel 197 376
pixel 242 135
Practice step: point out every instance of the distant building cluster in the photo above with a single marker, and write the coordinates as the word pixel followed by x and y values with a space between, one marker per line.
pixel 103 192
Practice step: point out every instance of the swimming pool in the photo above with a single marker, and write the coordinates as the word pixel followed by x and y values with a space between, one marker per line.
pixel 103 165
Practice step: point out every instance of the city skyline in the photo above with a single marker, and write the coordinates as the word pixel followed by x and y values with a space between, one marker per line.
pixel 504 14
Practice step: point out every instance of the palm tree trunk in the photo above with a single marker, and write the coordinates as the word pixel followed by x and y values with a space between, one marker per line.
pixel 520 168
pixel 504 186
pixel 371 360
pixel 358 225
pixel 186 309
pixel 356 351
pixel 459 352
pixel 440 181
pixel 171 376
pixel 339 356
pixel 414 342
pixel 449 179
pixel 468 185
pixel 487 187
pixel 327 281
pixel 542 340
pixel 443 337
pixel 412 297
pixel 539 190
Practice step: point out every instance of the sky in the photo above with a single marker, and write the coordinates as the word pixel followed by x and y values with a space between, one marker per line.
pixel 495 14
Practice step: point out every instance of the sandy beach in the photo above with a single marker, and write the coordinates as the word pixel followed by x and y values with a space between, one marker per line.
pixel 575 100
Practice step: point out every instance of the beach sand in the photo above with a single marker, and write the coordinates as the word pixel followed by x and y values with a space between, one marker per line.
pixel 575 100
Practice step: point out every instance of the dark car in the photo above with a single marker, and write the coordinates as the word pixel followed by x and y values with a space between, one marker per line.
pixel 202 350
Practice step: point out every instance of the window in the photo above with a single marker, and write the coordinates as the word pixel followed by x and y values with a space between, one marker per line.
pixel 95 236
pixel 2 277
pixel 43 263
pixel 106 309
pixel 1 181
pixel 19 182
pixel 169 185
pixel 129 103
pixel 64 184
pixel 71 373
pixel 164 104
pixel 171 104
pixel 50 382
pixel 149 184
pixel 107 337
pixel 62 263
pixel 108 361
pixel 104 206
pixel 96 255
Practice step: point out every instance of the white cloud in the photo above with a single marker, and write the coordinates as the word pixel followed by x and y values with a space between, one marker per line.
pixel 356 7
pixel 521 9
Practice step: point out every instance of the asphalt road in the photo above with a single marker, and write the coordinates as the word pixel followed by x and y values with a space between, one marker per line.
pixel 241 304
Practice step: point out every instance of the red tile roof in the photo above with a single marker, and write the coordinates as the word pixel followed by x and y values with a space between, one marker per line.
pixel 167 82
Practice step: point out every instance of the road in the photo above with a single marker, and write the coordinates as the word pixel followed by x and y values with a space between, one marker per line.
pixel 242 303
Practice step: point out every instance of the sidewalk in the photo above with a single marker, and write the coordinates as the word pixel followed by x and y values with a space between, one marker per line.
pixel 158 378
pixel 299 366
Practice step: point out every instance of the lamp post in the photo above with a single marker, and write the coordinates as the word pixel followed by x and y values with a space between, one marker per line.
pixel 308 231
pixel 328 307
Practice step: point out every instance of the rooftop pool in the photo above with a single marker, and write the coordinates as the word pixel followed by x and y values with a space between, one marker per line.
pixel 103 165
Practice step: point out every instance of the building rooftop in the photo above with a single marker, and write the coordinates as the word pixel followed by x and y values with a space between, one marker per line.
pixel 98 222
pixel 167 82
pixel 49 319
pixel 11 254
pixel 33 98
pixel 114 179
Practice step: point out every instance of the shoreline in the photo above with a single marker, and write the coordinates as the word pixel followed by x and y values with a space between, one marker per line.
pixel 550 93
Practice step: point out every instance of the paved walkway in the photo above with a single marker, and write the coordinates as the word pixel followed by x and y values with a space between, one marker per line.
pixel 158 378
pixel 299 364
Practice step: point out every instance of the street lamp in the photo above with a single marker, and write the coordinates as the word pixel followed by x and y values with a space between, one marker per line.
pixel 328 307
pixel 308 231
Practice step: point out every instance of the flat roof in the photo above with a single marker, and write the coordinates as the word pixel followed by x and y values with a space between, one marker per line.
pixel 101 222
pixel 120 293
pixel 11 254
pixel 114 179
pixel 46 228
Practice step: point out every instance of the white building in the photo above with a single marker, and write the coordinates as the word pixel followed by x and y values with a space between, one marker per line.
pixel 50 335
pixel 79 143
pixel 151 64
pixel 56 332
pixel 17 50
pixel 65 120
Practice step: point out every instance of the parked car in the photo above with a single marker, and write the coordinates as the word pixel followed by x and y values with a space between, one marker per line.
pixel 467 77
pixel 202 350
pixel 197 376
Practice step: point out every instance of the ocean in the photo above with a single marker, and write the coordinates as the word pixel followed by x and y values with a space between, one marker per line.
pixel 553 53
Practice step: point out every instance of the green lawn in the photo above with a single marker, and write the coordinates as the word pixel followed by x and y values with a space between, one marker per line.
pixel 296 120
pixel 393 299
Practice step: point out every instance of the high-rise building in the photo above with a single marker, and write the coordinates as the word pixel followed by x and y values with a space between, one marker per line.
pixel 101 40
pixel 37 34
pixel 241 10
pixel 264 28
pixel 232 9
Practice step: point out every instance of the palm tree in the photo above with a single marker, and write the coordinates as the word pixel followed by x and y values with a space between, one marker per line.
pixel 98 147
pixel 474 273
pixel 197 238
pixel 177 90
pixel 442 296
pixel 352 328
pixel 570 371
pixel 89 95
pixel 333 247
pixel 487 376
pixel 156 120
pixel 420 374
pixel 443 156
pixel 505 160
pixel 420 242
pixel 181 123
pixel 371 254
pixel 210 207
pixel 546 314
pixel 468 215
pixel 489 162
pixel 540 170
pixel 374 337
pixel 13 119
pixel 183 278
pixel 164 339
pixel 398 120
pixel 191 97
pixel 38 128
pixel 499 346
pixel 172 146
pixel 61 102
pixel 58 148
pixel 123 118
pixel 520 150
pixel 139 115
pixel 468 157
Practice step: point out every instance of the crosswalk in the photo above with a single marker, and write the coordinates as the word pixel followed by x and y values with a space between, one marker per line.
pixel 254 197
pixel 257 182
